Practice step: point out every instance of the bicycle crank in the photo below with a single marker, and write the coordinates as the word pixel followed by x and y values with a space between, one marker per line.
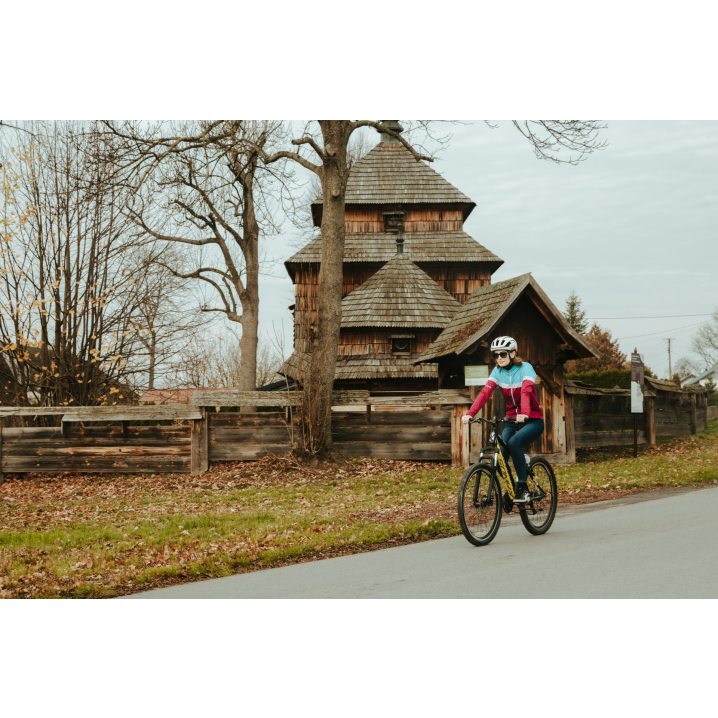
pixel 508 503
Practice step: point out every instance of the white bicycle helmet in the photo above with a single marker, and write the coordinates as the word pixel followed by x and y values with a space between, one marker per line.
pixel 506 343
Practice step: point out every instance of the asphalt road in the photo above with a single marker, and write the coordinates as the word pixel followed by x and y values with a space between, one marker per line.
pixel 652 545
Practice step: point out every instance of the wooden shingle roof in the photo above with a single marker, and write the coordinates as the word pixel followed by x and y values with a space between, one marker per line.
pixel 389 174
pixel 399 295
pixel 418 247
pixel 486 307
pixel 377 366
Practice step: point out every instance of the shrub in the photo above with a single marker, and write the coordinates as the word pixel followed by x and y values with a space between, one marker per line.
pixel 606 379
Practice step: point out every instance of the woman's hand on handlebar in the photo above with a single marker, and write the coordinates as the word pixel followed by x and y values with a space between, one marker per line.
pixel 465 419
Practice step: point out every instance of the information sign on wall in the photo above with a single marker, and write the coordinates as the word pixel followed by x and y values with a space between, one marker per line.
pixel 476 375
pixel 637 383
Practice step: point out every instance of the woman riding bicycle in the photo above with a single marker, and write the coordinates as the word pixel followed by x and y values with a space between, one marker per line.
pixel 517 380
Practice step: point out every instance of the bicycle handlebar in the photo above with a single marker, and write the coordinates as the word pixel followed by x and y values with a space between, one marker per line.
pixel 493 422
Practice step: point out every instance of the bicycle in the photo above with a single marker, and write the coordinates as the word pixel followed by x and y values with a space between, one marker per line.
pixel 481 503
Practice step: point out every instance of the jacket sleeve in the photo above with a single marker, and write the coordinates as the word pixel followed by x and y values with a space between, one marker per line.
pixel 482 398
pixel 527 387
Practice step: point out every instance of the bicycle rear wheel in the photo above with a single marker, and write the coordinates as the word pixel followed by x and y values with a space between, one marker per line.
pixel 538 515
pixel 479 505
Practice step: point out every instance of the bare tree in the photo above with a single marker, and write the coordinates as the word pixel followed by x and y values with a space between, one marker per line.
pixel 216 361
pixel 704 349
pixel 200 184
pixel 166 320
pixel 67 281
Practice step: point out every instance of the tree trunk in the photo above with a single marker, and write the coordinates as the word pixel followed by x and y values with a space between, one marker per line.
pixel 323 360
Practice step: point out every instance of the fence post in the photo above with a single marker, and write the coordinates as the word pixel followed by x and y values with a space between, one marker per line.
pixel 204 441
pixel 650 406
pixel 570 428
pixel 694 415
pixel 195 432
pixel 705 406
pixel 200 443
pixel 459 437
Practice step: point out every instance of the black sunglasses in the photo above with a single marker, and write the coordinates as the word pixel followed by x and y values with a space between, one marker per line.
pixel 499 355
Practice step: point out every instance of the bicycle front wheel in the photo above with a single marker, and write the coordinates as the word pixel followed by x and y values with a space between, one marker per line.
pixel 479 505
pixel 538 514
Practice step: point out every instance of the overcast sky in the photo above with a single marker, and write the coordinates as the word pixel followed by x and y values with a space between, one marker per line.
pixel 633 229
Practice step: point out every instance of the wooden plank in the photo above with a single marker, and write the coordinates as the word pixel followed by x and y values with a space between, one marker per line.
pixel 99 434
pixel 398 451
pixel 429 399
pixel 393 418
pixel 204 442
pixel 116 465
pixel 133 413
pixel 459 437
pixel 33 411
pixel 608 438
pixel 694 418
pixel 232 397
pixel 608 423
pixel 2 476
pixel 650 410
pixel 246 452
pixel 27 448
pixel 69 450
pixel 673 430
pixel 608 406
pixel 250 435
pixel 570 429
pixel 259 419
pixel 392 433
pixel 545 374
pixel 196 458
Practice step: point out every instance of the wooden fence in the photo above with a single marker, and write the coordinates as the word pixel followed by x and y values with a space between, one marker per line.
pixel 602 417
pixel 201 434
pixel 425 427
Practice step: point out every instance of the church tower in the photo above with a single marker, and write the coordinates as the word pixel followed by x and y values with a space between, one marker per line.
pixel 408 268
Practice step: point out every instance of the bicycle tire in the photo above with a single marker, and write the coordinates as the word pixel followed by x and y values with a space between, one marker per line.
pixel 480 519
pixel 538 515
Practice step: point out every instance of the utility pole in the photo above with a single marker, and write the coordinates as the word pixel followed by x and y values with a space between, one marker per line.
pixel 670 372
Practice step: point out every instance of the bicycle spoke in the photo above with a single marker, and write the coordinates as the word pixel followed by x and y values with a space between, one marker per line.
pixel 479 506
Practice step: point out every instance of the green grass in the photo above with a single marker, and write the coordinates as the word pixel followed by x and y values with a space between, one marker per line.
pixel 75 535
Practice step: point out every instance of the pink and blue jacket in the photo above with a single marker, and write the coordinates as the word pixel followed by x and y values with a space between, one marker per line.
pixel 518 384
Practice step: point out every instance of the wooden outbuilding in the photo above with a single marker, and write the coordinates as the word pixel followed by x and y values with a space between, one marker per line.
pixel 518 308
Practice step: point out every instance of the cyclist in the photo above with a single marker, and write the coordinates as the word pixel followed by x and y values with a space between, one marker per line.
pixel 517 380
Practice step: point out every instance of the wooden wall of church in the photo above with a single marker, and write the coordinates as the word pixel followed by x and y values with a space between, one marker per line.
pixel 371 221
pixel 361 343
pixel 460 279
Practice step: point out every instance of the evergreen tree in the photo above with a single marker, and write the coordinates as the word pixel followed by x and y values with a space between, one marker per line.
pixel 575 316
pixel 610 355
pixel 712 388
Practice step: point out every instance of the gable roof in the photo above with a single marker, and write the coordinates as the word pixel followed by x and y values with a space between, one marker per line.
pixel 713 371
pixel 418 247
pixel 486 307
pixel 399 295
pixel 389 174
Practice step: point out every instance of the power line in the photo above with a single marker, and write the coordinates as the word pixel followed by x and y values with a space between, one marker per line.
pixel 638 336
pixel 667 316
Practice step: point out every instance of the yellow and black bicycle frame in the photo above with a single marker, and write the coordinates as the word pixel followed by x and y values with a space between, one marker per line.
pixel 504 471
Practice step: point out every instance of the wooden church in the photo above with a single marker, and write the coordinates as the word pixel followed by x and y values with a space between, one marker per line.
pixel 419 305
pixel 408 268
